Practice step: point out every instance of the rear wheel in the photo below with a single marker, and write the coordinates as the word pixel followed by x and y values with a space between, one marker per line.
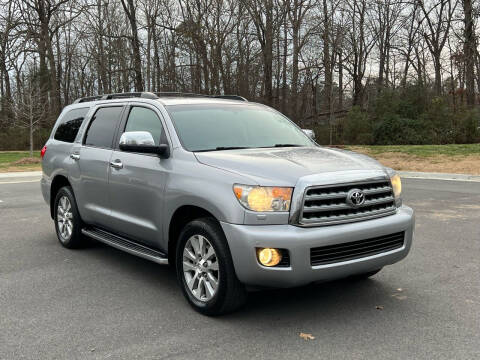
pixel 68 223
pixel 205 269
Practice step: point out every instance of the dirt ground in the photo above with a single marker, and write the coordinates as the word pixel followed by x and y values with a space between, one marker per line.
pixel 469 164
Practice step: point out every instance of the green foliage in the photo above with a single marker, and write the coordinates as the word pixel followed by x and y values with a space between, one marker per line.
pixel 357 127
pixel 408 117
pixel 467 127
pixel 18 138
pixel 393 129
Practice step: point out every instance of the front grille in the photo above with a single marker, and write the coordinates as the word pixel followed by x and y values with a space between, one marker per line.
pixel 325 205
pixel 355 249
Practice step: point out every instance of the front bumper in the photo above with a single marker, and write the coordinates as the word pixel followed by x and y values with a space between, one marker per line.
pixel 243 239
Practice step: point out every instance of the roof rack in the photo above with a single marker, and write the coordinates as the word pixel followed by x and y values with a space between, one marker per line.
pixel 125 95
pixel 153 96
pixel 230 97
pixel 182 94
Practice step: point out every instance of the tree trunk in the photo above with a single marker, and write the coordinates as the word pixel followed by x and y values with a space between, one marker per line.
pixel 340 79
pixel 327 66
pixel 130 11
pixel 31 124
pixel 469 51
pixel 438 74
pixel 268 53
pixel 284 69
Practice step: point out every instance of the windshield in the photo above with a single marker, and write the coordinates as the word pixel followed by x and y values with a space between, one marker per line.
pixel 210 127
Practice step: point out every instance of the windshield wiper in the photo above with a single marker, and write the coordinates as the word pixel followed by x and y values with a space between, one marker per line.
pixel 219 148
pixel 230 147
pixel 287 145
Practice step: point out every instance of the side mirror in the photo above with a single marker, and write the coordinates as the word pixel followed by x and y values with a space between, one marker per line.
pixel 309 133
pixel 142 142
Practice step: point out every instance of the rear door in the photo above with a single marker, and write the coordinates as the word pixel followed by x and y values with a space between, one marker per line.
pixel 137 182
pixel 93 158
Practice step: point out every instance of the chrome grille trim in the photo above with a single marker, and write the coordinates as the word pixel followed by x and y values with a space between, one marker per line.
pixel 327 204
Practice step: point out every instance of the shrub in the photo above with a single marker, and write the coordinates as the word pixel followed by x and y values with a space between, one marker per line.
pixel 395 130
pixel 467 127
pixel 357 127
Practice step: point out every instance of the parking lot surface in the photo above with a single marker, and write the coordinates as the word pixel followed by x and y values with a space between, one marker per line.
pixel 101 303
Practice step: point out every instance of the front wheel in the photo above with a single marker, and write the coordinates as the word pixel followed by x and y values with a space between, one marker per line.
pixel 205 269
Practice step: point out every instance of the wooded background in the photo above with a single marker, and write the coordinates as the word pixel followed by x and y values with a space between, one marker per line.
pixel 356 71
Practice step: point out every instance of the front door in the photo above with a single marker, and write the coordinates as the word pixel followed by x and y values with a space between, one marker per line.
pixel 137 181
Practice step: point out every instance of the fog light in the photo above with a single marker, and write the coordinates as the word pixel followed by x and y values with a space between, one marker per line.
pixel 269 256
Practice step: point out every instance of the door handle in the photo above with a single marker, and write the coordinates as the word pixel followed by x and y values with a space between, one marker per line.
pixel 116 164
pixel 75 156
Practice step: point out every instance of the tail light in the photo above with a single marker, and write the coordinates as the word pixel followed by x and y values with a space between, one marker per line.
pixel 43 151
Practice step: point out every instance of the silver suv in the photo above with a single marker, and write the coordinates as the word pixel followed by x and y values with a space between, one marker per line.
pixel 230 192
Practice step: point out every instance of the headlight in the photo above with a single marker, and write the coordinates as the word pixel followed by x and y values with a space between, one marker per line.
pixel 263 198
pixel 396 185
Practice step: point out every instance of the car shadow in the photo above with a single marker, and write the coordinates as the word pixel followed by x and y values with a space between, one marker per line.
pixel 328 301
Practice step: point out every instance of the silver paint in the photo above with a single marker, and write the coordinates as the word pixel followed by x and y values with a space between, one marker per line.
pixel 139 199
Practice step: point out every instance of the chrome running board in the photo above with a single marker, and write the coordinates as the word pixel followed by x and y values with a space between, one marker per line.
pixel 126 245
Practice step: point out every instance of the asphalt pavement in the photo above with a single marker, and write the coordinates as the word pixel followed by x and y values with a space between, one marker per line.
pixel 101 303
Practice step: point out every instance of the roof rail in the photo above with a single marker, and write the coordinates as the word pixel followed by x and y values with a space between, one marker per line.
pixel 125 95
pixel 182 94
pixel 153 96
pixel 230 97
pixel 177 94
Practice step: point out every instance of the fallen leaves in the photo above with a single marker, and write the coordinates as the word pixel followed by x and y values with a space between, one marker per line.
pixel 307 337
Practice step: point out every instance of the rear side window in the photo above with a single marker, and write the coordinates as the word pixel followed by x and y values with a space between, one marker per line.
pixel 102 127
pixel 143 119
pixel 68 129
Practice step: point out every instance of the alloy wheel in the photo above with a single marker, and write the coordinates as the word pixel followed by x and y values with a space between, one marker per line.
pixel 65 218
pixel 200 268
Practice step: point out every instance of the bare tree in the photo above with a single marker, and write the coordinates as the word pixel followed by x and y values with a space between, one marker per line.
pixel 438 21
pixel 29 111
pixel 311 59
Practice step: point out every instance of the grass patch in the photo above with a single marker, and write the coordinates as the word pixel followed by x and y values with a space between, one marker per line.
pixel 19 161
pixel 420 150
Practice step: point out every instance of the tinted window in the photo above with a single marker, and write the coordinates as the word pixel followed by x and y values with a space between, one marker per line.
pixel 143 119
pixel 71 122
pixel 213 126
pixel 102 127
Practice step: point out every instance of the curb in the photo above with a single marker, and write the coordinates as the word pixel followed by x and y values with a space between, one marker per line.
pixel 438 176
pixel 20 174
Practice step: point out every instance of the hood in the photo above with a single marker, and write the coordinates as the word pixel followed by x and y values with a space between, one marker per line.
pixel 284 166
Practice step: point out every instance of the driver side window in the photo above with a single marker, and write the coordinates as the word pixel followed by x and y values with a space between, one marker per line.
pixel 143 119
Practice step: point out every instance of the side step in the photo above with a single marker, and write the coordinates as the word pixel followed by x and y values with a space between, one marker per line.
pixel 126 245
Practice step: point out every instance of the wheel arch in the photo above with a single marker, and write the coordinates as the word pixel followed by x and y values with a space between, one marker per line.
pixel 182 216
pixel 58 182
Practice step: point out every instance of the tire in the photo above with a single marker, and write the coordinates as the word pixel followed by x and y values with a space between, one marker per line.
pixel 200 271
pixel 366 275
pixel 68 226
